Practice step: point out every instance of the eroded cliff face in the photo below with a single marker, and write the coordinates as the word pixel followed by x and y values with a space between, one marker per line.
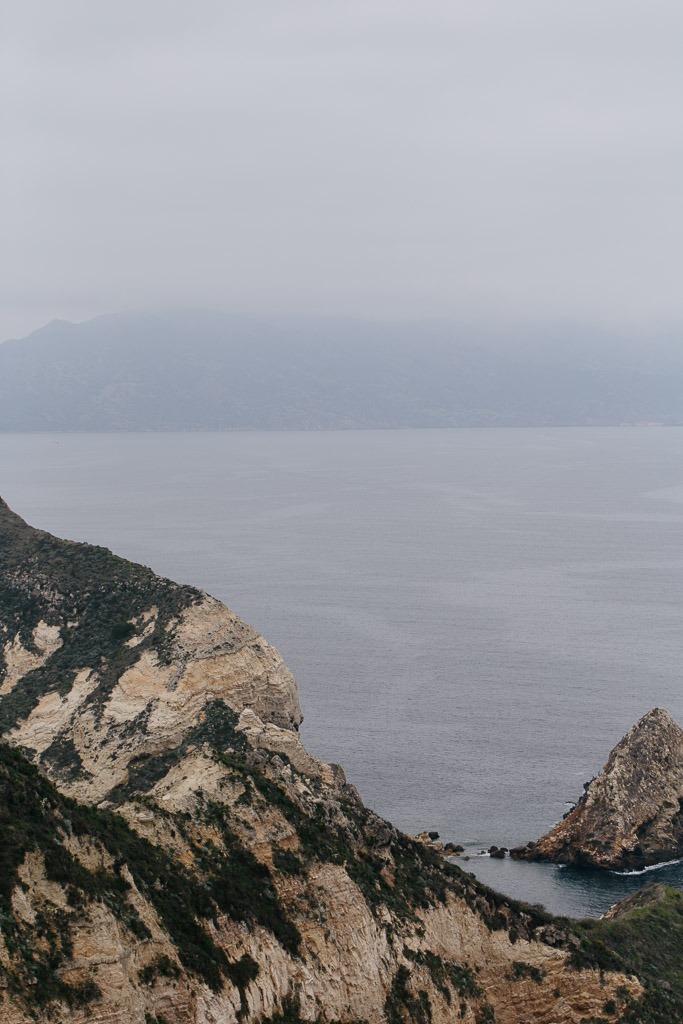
pixel 171 853
pixel 85 737
pixel 631 814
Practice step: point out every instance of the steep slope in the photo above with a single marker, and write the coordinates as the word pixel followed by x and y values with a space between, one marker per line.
pixel 631 814
pixel 171 853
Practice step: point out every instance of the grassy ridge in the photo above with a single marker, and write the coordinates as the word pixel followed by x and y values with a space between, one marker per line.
pixel 648 942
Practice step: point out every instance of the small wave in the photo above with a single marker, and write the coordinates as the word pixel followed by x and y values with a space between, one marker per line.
pixel 650 867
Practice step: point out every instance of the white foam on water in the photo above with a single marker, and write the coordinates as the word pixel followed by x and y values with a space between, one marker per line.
pixel 650 867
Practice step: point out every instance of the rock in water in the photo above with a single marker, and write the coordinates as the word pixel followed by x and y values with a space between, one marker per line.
pixel 631 815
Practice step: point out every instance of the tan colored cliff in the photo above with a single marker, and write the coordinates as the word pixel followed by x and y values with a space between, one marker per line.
pixel 211 870
pixel 629 815
pixel 214 655
pixel 349 956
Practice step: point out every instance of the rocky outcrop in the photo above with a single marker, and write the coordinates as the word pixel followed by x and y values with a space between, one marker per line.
pixel 171 852
pixel 630 815
pixel 138 660
pixel 86 737
pixel 651 895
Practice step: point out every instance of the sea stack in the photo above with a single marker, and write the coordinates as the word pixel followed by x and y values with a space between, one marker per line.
pixel 630 815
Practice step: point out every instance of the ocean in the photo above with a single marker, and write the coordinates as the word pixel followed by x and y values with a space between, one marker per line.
pixel 474 616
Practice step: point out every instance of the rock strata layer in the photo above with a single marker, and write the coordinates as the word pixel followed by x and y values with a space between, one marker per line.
pixel 631 815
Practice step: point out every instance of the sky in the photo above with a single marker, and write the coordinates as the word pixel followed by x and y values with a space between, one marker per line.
pixel 379 158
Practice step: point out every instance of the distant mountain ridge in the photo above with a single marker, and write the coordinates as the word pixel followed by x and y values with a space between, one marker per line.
pixel 213 371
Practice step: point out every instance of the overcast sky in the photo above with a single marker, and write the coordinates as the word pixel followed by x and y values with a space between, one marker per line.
pixel 370 157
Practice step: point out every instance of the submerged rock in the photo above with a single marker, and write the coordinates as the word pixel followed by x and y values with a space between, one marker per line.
pixel 631 814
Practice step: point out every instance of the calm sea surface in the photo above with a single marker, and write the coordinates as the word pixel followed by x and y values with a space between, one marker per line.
pixel 474 617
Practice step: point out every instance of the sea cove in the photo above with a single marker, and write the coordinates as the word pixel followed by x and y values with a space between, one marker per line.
pixel 474 617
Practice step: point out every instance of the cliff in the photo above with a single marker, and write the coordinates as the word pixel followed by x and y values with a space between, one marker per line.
pixel 171 854
pixel 631 814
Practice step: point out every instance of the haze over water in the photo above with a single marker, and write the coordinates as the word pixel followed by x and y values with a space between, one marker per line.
pixel 474 617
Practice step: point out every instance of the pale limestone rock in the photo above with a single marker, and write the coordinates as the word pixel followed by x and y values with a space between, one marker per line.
pixel 32 873
pixel 19 661
pixel 454 932
pixel 282 741
pixel 225 655
pixel 214 655
pixel 21 906
pixel 631 814
pixel 148 621
pixel 53 714
pixel 177 790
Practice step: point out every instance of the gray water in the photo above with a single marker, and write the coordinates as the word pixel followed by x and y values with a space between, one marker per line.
pixel 474 617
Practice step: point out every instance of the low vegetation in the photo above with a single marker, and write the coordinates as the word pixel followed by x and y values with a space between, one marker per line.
pixel 34 816
pixel 647 942
pixel 95 592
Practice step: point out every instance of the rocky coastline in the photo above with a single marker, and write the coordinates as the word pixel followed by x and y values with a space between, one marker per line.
pixel 172 854
pixel 630 816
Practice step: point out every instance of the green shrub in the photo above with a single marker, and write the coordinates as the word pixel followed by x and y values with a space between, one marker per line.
pixel 520 970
